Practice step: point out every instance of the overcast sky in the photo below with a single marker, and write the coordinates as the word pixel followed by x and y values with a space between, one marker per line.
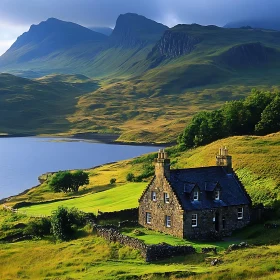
pixel 16 16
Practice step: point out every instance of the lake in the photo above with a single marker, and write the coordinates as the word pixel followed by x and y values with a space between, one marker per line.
pixel 23 159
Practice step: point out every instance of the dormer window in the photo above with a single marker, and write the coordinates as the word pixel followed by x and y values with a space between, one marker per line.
pixel 154 196
pixel 195 195
pixel 217 195
pixel 166 198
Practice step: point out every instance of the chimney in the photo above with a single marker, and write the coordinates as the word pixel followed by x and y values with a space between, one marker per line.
pixel 223 159
pixel 162 165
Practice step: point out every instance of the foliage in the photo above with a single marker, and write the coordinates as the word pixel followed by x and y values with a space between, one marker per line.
pixel 63 222
pixel 39 227
pixel 113 181
pixel 130 177
pixel 258 113
pixel 79 178
pixel 65 181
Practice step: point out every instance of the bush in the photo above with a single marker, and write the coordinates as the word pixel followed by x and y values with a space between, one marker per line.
pixel 130 177
pixel 38 227
pixel 65 221
pixel 113 181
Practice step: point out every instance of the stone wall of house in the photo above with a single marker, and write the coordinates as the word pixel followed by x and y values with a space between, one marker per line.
pixel 159 209
pixel 206 222
pixel 149 252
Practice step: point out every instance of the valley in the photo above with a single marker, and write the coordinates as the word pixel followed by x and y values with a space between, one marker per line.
pixel 144 82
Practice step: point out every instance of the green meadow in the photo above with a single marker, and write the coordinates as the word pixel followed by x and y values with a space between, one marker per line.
pixel 115 199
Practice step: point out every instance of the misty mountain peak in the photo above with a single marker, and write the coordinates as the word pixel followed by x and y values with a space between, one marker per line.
pixel 132 29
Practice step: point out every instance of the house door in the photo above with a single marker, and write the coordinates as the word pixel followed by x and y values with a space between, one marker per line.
pixel 217 221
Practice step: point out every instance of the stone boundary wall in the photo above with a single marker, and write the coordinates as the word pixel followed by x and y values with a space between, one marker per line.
pixel 148 252
pixel 126 214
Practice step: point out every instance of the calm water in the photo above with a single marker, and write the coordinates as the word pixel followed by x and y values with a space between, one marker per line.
pixel 22 160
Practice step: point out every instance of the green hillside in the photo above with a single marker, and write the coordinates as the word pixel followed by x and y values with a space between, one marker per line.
pixel 153 79
pixel 39 106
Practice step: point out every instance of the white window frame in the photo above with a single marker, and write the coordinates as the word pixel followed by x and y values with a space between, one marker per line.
pixel 168 221
pixel 148 218
pixel 195 195
pixel 194 219
pixel 217 195
pixel 154 196
pixel 166 198
pixel 240 213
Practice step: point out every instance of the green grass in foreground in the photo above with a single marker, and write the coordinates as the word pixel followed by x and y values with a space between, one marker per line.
pixel 153 237
pixel 119 198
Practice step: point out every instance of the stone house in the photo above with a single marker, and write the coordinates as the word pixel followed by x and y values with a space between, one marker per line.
pixel 195 203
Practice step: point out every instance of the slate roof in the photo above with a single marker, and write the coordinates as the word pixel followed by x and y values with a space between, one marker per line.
pixel 207 178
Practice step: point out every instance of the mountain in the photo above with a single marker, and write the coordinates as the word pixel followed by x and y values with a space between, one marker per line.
pixel 154 78
pixel 261 23
pixel 63 47
pixel 48 39
pixel 134 30
pixel 103 30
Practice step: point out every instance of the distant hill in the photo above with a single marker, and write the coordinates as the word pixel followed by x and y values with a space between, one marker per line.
pixel 154 78
pixel 262 24
pixel 103 30
pixel 39 106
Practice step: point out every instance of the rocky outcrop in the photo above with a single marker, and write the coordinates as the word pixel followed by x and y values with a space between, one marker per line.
pixel 245 55
pixel 174 44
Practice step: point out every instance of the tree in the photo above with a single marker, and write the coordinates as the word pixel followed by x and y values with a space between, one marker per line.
pixel 79 178
pixel 270 119
pixel 61 181
pixel 65 181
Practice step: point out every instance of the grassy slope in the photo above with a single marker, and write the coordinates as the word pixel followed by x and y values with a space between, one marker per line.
pixel 255 160
pixel 156 105
pixel 253 155
pixel 115 199
pixel 91 257
pixel 40 106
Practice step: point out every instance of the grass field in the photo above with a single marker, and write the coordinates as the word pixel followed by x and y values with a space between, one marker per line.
pixel 115 199
pixel 255 160
pixel 90 257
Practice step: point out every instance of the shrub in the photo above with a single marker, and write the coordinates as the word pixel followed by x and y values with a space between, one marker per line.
pixel 130 177
pixel 113 181
pixel 38 227
pixel 65 221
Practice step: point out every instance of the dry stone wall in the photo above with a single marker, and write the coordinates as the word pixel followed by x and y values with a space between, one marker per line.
pixel 149 252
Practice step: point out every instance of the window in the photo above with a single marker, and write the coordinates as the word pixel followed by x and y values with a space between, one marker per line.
pixel 148 218
pixel 195 195
pixel 154 196
pixel 217 195
pixel 194 220
pixel 168 221
pixel 166 197
pixel 240 213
